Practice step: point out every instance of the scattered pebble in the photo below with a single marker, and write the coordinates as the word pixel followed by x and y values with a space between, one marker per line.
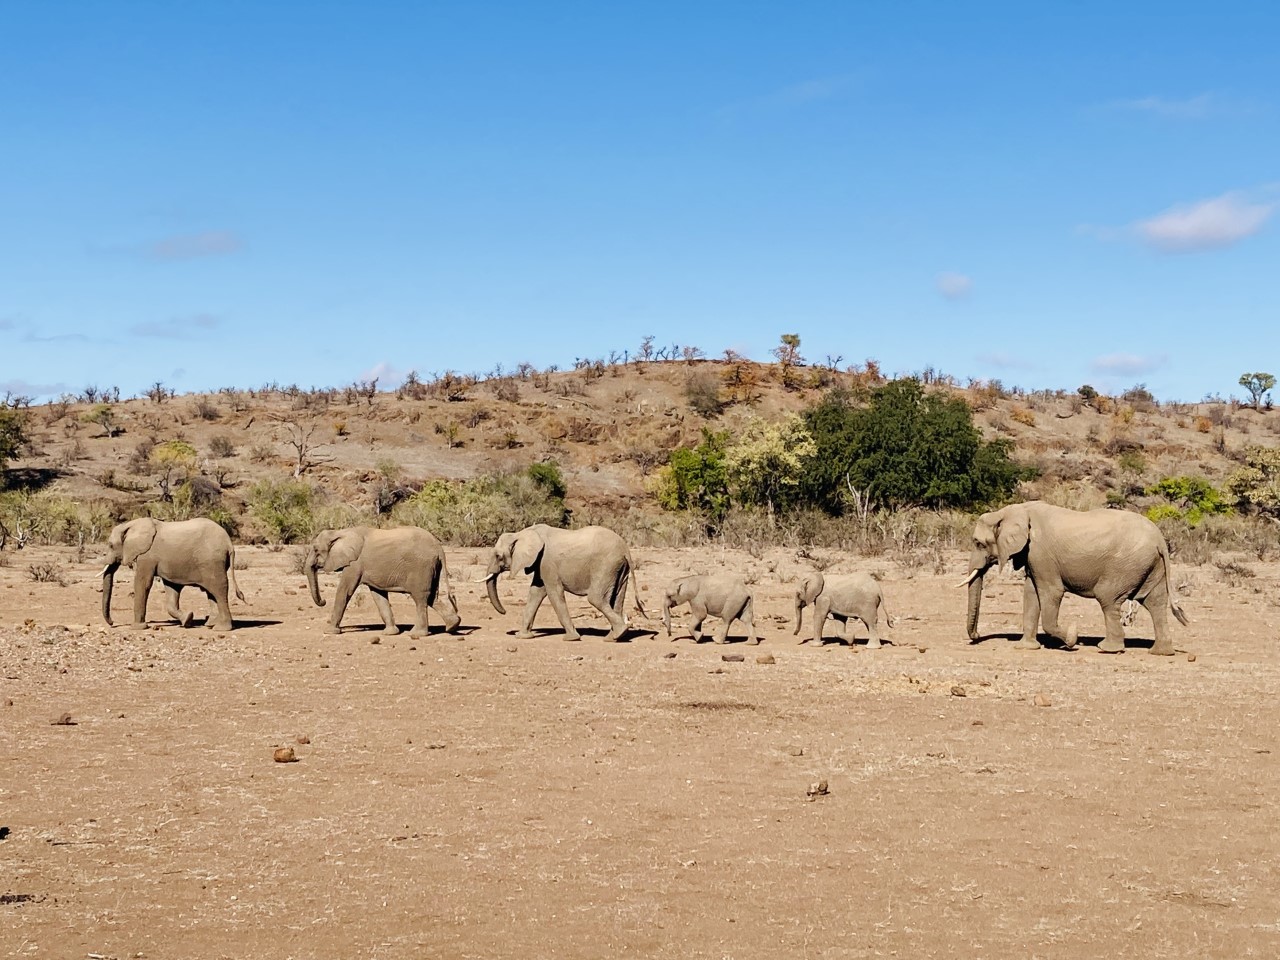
pixel 62 720
pixel 717 670
pixel 1042 701
pixel 284 755
pixel 765 658
pixel 922 649
pixel 976 723
pixel 733 657
pixel 511 649
pixel 795 751
pixel 816 790
pixel 958 691
pixel 8 701
pixel 669 655
pixel 1191 658
pixel 302 738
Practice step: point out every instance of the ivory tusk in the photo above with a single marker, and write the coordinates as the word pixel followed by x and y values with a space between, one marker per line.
pixel 104 570
pixel 969 579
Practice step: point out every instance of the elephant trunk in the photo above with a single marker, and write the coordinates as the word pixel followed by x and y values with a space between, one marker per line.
pixel 666 615
pixel 309 565
pixel 799 613
pixel 108 582
pixel 975 603
pixel 492 581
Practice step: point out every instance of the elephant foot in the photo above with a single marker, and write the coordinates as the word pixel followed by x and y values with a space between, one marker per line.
pixel 1111 645
pixel 451 626
pixel 417 633
pixel 1026 643
pixel 525 634
pixel 572 636
pixel 1164 649
pixel 392 631
pixel 754 641
pixel 221 627
pixel 184 619
pixel 332 630
pixel 1072 638
pixel 876 645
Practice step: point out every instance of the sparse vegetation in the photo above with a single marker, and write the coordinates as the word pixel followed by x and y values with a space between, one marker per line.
pixel 1258 385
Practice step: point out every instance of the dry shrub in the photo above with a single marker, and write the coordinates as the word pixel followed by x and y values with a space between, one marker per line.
pixel 1023 416
pixel 1203 424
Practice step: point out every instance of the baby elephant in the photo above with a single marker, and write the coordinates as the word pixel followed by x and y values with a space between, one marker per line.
pixel 853 597
pixel 722 596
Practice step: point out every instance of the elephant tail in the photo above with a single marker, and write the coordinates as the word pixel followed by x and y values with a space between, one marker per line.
pixel 890 620
pixel 1168 582
pixel 231 575
pixel 635 590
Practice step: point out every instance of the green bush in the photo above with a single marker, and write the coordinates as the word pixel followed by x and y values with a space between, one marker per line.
pixel 13 423
pixel 473 513
pixel 284 510
pixel 1191 498
pixel 1257 483
pixel 696 478
pixel 46 518
pixel 905 447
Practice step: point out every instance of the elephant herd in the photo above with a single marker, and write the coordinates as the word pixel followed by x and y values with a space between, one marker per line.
pixel 1109 555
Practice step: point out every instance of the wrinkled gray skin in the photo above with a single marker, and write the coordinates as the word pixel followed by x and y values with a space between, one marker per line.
pixel 402 560
pixel 181 553
pixel 1110 555
pixel 854 596
pixel 592 562
pixel 721 596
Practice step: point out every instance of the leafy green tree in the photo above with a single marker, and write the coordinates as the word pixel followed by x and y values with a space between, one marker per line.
pixel 1257 483
pixel 1191 498
pixel 905 447
pixel 766 463
pixel 1258 384
pixel 696 478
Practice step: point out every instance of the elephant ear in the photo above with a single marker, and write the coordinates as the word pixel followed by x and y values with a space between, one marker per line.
pixel 1013 535
pixel 528 548
pixel 344 549
pixel 138 537
pixel 813 585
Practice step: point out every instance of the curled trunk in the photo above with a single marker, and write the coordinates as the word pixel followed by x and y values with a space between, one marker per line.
pixel 309 565
pixel 108 582
pixel 975 603
pixel 492 582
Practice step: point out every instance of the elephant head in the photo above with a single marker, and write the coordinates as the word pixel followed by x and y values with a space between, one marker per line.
pixel 679 592
pixel 331 550
pixel 806 593
pixel 127 542
pixel 999 537
pixel 520 552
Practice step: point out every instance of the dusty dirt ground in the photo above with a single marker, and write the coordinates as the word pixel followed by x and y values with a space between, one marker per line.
pixel 483 796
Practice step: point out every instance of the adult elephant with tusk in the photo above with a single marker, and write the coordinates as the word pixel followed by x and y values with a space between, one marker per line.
pixel 1109 555
pixel 181 553
pixel 593 562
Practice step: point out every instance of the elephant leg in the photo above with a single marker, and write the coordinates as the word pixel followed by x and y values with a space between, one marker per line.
pixel 347 585
pixel 144 576
pixel 537 593
pixel 172 596
pixel 722 631
pixel 698 613
pixel 558 604
pixel 821 608
pixel 1030 617
pixel 421 624
pixel 873 635
pixel 1113 642
pixel 1050 606
pixel 748 616
pixel 611 607
pixel 389 626
pixel 219 593
pixel 1157 604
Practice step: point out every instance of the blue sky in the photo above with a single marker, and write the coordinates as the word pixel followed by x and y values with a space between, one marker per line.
pixel 229 193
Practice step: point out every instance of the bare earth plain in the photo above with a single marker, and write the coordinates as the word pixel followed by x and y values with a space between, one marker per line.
pixel 483 796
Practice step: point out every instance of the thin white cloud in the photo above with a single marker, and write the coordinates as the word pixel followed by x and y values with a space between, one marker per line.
pixel 1127 364
pixel 954 286
pixel 191 246
pixel 385 373
pixel 30 337
pixel 1206 224
pixel 1188 108
pixel 1006 361
pixel 24 388
pixel 176 328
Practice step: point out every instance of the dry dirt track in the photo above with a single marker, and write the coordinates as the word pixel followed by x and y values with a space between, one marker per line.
pixel 485 796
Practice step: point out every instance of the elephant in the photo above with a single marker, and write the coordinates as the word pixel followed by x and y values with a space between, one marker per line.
pixel 593 562
pixel 1109 555
pixel 402 560
pixel 178 553
pixel 723 596
pixel 855 596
